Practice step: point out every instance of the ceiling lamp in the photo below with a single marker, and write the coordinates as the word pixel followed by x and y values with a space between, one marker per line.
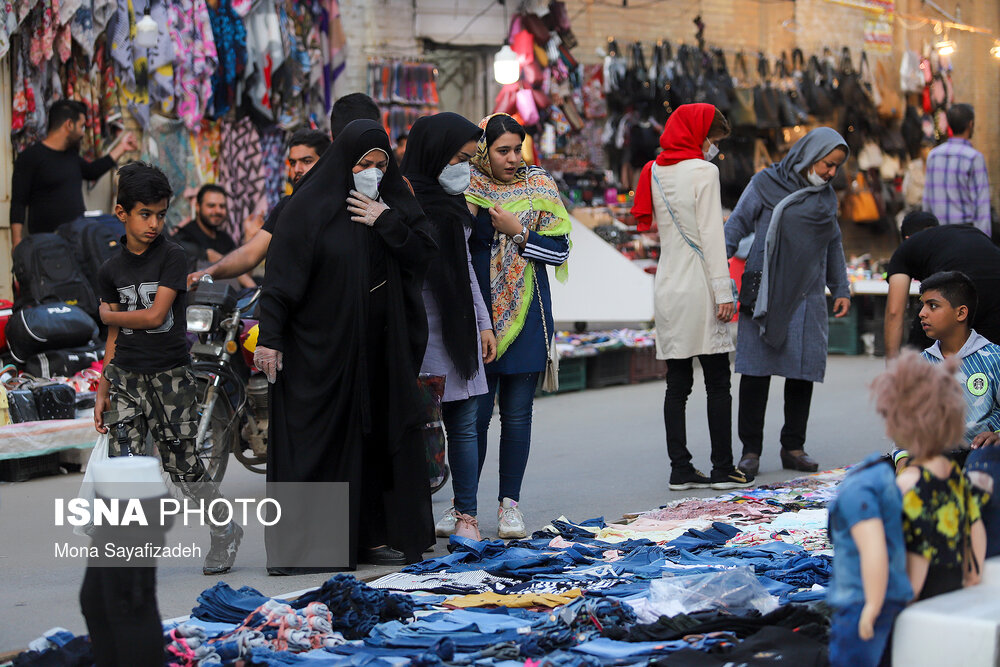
pixel 506 68
pixel 946 46
pixel 995 51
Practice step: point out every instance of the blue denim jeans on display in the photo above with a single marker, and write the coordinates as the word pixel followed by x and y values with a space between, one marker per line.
pixel 987 459
pixel 847 649
pixel 463 451
pixel 516 396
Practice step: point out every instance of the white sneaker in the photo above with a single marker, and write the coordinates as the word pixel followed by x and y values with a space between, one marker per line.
pixel 510 521
pixel 445 527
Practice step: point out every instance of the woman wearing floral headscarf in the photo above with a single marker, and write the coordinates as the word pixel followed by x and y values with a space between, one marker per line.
pixel 521 225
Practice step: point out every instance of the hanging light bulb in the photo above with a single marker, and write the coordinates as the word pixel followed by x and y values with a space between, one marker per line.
pixel 146 31
pixel 945 47
pixel 506 68
pixel 995 51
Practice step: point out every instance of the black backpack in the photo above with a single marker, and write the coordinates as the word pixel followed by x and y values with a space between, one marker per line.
pixel 45 270
pixel 93 243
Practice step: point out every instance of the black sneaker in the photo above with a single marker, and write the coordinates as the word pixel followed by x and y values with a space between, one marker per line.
pixel 689 479
pixel 383 556
pixel 731 479
pixel 222 555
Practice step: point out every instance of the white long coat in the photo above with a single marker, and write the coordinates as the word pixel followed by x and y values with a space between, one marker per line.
pixel 687 289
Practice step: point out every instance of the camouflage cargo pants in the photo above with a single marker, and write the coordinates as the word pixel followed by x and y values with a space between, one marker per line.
pixel 136 401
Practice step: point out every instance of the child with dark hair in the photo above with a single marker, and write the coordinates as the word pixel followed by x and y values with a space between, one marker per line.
pixel 148 384
pixel 942 527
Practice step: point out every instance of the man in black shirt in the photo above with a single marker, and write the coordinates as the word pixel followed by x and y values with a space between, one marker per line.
pixel 47 184
pixel 148 385
pixel 203 238
pixel 304 150
pixel 928 248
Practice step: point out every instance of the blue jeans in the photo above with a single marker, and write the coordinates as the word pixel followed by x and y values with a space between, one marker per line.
pixel 847 649
pixel 987 459
pixel 516 398
pixel 463 451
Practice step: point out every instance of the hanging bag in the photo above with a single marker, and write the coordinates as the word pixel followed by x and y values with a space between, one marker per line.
pixel 742 112
pixel 859 204
pixel 765 98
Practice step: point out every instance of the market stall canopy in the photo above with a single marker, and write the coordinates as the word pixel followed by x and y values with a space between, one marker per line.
pixel 603 285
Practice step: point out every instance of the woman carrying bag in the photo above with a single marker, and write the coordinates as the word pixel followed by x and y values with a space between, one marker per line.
pixel 521 225
pixel 797 253
pixel 694 296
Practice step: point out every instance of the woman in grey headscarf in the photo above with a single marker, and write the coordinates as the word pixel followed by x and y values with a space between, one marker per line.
pixel 792 209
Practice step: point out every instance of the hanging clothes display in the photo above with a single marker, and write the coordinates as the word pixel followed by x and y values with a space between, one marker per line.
pixel 241 172
pixel 195 59
pixel 230 45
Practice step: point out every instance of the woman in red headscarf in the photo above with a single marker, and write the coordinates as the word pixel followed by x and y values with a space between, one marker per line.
pixel 694 296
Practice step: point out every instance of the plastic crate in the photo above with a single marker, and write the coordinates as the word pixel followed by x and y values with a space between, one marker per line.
pixel 644 366
pixel 23 469
pixel 608 368
pixel 572 376
pixel 844 336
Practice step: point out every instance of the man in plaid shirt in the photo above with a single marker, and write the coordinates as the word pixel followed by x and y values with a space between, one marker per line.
pixel 957 188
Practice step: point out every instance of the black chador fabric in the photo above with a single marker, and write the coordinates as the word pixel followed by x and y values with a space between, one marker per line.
pixel 315 307
pixel 800 618
pixel 771 646
pixel 432 142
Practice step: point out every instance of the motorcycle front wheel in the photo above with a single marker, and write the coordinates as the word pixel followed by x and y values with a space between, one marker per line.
pixel 222 437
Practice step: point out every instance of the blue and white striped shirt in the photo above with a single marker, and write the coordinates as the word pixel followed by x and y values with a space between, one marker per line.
pixel 980 378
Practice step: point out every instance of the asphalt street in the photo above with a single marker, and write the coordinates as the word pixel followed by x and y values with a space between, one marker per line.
pixel 594 453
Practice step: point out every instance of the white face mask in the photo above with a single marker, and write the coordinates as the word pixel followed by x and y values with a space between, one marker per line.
pixel 814 178
pixel 455 178
pixel 712 151
pixel 367 182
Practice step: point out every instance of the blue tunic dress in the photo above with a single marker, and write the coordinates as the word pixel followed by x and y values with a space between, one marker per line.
pixel 527 354
pixel 803 355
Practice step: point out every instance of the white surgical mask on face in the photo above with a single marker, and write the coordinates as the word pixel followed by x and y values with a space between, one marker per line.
pixel 455 178
pixel 712 151
pixel 814 178
pixel 367 182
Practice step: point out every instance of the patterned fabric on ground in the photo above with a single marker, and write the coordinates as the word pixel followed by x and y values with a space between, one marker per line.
pixel 515 599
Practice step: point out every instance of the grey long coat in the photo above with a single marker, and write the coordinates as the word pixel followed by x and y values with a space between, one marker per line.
pixel 803 356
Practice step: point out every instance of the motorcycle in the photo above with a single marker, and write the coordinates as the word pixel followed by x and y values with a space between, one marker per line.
pixel 232 393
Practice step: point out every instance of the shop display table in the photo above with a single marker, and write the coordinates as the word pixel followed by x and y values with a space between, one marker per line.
pixel 35 448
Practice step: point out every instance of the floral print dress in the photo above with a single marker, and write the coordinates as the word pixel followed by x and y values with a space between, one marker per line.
pixel 937 523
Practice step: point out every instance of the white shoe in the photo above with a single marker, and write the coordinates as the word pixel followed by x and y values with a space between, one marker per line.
pixel 510 521
pixel 445 527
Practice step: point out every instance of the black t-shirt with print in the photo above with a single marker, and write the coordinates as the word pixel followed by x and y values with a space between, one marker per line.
pixel 955 248
pixel 132 281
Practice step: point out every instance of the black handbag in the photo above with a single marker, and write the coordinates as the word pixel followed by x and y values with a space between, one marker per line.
pixel 21 404
pixel 765 99
pixel 54 400
pixel 749 290
pixel 742 112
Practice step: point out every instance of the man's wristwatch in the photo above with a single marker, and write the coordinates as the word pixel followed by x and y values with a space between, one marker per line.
pixel 519 237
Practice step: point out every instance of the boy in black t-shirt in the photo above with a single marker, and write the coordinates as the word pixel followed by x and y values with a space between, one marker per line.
pixel 148 382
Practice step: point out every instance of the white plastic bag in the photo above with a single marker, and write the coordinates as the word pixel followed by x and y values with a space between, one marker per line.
pixel 97 454
pixel 733 590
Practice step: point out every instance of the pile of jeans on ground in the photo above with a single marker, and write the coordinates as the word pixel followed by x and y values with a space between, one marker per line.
pixel 696 582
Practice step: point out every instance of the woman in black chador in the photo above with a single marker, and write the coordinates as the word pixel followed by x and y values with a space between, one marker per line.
pixel 342 335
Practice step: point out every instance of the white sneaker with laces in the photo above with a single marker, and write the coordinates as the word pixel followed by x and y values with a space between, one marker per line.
pixel 510 521
pixel 445 527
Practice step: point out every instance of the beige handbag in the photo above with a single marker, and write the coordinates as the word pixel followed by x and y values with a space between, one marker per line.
pixel 550 380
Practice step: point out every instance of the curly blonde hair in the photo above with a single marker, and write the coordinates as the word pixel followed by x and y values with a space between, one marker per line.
pixel 922 404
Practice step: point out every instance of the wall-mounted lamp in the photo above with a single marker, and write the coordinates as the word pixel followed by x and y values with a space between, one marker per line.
pixel 146 31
